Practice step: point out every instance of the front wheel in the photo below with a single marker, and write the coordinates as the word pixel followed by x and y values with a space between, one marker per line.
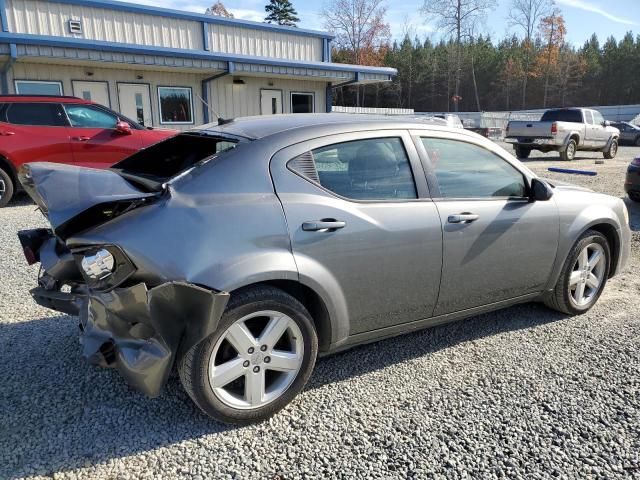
pixel 583 275
pixel 612 150
pixel 256 362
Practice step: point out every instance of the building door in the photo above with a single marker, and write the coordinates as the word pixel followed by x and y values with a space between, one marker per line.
pixel 135 102
pixel 95 91
pixel 270 102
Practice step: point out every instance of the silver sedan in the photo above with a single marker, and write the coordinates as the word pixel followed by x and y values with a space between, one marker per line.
pixel 239 252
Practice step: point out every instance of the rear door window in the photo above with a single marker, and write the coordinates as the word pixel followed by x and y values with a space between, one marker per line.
pixel 369 169
pixel 37 114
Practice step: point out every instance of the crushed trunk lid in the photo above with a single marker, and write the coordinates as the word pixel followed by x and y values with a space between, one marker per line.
pixel 65 192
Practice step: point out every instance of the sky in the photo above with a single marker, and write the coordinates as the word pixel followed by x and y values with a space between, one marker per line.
pixel 583 17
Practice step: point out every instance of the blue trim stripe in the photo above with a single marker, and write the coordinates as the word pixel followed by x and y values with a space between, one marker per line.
pixel 82 43
pixel 3 16
pixel 171 13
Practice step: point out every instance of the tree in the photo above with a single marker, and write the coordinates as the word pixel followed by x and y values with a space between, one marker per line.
pixel 281 12
pixel 218 10
pixel 526 14
pixel 360 30
pixel 552 31
pixel 457 18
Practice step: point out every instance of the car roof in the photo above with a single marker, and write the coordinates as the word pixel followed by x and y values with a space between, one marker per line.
pixel 267 125
pixel 42 99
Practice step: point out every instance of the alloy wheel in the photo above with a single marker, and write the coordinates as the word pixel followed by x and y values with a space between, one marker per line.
pixel 613 150
pixel 256 359
pixel 587 275
pixel 3 188
pixel 571 151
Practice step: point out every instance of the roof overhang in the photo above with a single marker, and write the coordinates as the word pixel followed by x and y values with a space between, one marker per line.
pixel 56 49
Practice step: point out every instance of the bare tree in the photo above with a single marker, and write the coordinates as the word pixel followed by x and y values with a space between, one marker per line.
pixel 359 27
pixel 218 10
pixel 457 18
pixel 526 14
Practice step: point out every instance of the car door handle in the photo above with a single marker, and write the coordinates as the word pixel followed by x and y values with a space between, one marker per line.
pixel 6 133
pixel 463 218
pixel 323 225
pixel 81 139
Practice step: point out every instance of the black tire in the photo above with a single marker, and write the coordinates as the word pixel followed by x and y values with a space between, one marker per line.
pixel 193 366
pixel 612 151
pixel 560 299
pixel 522 152
pixel 634 196
pixel 569 153
pixel 6 188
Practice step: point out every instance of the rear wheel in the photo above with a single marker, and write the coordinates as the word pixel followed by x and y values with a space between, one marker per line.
pixel 612 151
pixel 569 153
pixel 256 362
pixel 584 275
pixel 6 188
pixel 522 152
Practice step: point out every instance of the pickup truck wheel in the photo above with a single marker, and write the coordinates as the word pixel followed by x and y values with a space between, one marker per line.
pixel 612 151
pixel 259 358
pixel 570 152
pixel 522 152
pixel 583 275
pixel 6 188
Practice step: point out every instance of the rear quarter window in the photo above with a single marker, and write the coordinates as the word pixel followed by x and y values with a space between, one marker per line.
pixel 36 114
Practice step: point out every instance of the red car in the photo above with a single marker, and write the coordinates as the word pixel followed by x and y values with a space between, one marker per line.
pixel 64 130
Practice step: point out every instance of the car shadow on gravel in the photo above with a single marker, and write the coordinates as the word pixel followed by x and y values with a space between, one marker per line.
pixel 59 413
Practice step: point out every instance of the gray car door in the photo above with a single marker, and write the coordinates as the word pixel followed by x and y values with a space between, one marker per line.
pixel 497 245
pixel 364 231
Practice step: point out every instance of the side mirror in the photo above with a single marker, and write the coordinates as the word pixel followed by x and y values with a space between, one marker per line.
pixel 123 128
pixel 540 191
pixel 606 123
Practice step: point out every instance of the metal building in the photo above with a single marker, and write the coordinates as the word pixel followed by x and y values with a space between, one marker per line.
pixel 167 67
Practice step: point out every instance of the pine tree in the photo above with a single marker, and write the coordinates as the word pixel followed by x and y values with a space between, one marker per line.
pixel 281 12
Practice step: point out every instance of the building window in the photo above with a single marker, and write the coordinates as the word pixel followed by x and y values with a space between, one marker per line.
pixel 37 87
pixel 176 105
pixel 302 102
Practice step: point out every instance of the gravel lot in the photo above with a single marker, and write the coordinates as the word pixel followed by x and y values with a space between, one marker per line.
pixel 521 393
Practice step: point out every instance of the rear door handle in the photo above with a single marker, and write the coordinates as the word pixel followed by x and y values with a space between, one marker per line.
pixel 81 139
pixel 463 218
pixel 323 225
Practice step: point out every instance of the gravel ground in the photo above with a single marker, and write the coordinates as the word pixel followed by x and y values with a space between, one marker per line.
pixel 521 393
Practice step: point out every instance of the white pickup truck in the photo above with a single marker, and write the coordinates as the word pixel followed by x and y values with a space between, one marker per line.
pixel 564 130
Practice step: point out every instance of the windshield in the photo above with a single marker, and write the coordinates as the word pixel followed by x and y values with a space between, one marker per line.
pixel 159 163
pixel 573 116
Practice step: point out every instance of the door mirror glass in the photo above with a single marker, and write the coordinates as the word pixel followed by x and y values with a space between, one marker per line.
pixel 606 123
pixel 123 127
pixel 541 191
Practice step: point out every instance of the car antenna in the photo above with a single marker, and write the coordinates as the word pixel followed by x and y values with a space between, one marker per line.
pixel 221 120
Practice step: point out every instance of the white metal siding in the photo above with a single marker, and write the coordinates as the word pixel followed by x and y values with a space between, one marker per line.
pixel 264 43
pixel 231 100
pixel 40 17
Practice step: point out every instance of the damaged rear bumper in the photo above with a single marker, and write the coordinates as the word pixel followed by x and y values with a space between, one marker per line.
pixel 140 331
